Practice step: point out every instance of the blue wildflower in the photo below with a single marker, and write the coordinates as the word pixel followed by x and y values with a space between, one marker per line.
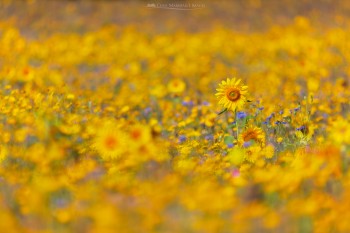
pixel 241 115
pixel 182 138
pixel 247 144
pixel 301 128
pixel 269 117
pixel 205 103
pixel 147 110
pixel 187 103
pixel 296 109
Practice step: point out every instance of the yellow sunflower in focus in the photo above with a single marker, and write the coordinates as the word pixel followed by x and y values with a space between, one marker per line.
pixel 254 134
pixel 110 142
pixel 232 94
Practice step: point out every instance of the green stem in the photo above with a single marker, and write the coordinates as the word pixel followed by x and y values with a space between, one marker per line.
pixel 228 125
pixel 236 123
pixel 222 111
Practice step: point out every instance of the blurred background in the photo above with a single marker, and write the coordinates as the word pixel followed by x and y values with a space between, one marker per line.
pixel 243 15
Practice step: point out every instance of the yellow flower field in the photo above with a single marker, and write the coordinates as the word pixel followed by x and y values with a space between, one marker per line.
pixel 124 117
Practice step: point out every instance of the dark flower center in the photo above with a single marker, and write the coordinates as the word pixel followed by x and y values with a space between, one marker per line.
pixel 233 94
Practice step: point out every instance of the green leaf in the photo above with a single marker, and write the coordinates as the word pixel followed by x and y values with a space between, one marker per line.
pixel 229 140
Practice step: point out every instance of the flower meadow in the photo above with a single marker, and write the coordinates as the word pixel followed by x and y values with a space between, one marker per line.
pixel 116 129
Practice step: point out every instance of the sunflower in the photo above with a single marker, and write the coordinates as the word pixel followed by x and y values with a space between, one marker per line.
pixel 232 94
pixel 254 134
pixel 110 142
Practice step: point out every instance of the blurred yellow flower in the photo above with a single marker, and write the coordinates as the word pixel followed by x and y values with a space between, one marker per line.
pixel 269 151
pixel 252 153
pixel 110 142
pixel 254 134
pixel 158 91
pixel 340 131
pixel 235 156
pixel 279 139
pixel 140 136
pixel 3 153
pixel 176 86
